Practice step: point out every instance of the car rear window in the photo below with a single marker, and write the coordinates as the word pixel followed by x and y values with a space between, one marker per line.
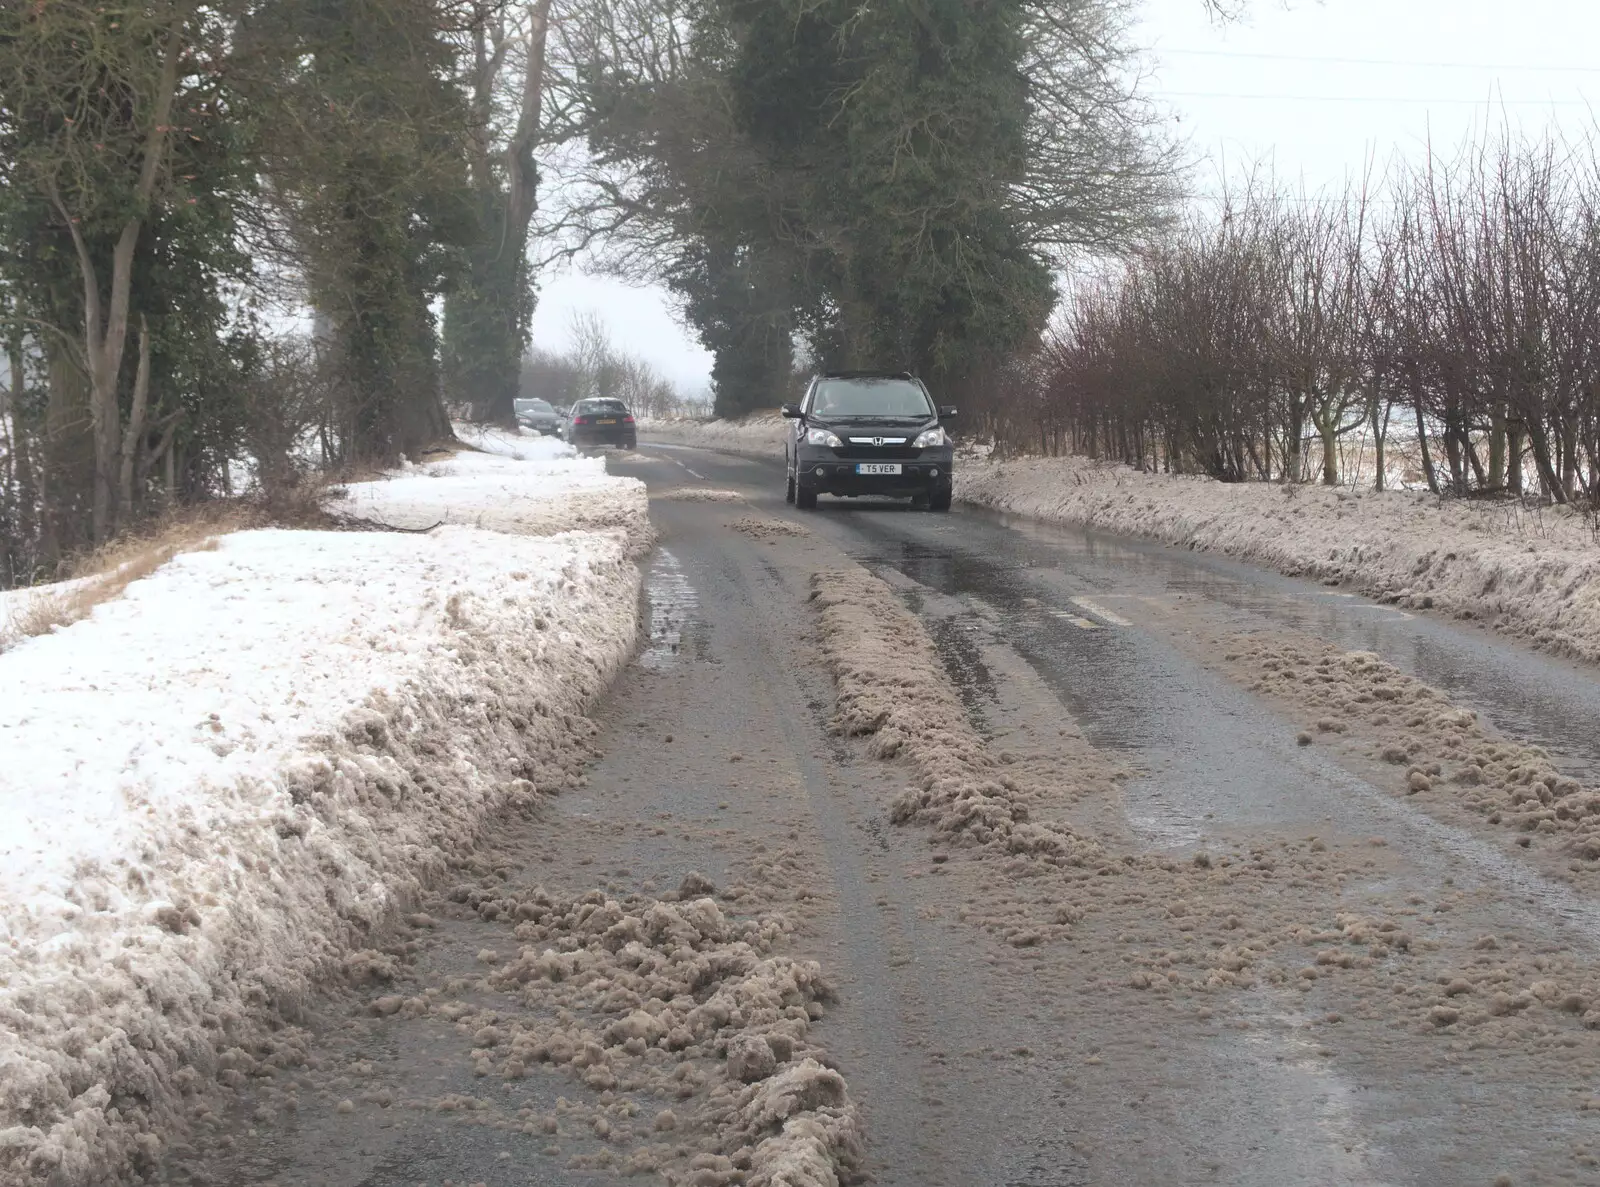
pixel 601 406
pixel 870 397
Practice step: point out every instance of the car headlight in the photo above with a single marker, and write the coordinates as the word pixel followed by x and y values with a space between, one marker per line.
pixel 934 436
pixel 823 437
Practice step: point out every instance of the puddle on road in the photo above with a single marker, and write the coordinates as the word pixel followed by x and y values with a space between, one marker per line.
pixel 1540 699
pixel 670 606
pixel 974 684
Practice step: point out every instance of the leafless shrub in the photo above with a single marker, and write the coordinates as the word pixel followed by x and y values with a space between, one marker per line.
pixel 1447 319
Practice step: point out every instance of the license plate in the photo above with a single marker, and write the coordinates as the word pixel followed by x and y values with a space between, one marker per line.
pixel 612 421
pixel 878 468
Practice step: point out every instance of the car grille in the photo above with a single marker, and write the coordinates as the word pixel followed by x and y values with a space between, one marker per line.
pixel 878 453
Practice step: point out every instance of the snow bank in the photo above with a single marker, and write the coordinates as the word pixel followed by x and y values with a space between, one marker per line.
pixel 500 493
pixel 520 444
pixel 893 689
pixel 215 784
pixel 1532 574
pixel 762 433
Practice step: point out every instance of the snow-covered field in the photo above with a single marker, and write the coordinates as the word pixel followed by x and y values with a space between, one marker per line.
pixel 214 785
pixel 1534 574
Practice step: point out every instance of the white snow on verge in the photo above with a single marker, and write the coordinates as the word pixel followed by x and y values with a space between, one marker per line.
pixel 506 495
pixel 762 433
pixel 215 784
pixel 520 444
pixel 1535 575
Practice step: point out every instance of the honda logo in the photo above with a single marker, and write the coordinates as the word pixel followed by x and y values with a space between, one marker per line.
pixel 877 440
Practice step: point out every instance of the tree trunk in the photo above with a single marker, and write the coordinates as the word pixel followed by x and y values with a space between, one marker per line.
pixel 1471 452
pixel 1497 447
pixel 1330 457
pixel 1291 443
pixel 1542 459
pixel 1569 457
pixel 28 500
pixel 133 435
pixel 66 472
pixel 1422 445
pixel 486 321
pixel 1378 417
pixel 105 325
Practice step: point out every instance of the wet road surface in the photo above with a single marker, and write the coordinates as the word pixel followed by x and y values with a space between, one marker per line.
pixel 1100 623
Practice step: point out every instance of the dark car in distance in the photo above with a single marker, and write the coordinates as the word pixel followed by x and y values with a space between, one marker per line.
pixel 601 421
pixel 537 415
pixel 868 433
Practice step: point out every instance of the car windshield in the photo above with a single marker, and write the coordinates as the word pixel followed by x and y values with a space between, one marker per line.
pixel 870 397
pixel 533 406
pixel 602 406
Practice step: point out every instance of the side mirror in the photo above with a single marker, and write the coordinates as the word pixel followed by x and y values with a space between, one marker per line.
pixel 790 411
pixel 948 412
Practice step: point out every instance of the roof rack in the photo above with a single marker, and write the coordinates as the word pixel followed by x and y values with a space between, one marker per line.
pixel 868 375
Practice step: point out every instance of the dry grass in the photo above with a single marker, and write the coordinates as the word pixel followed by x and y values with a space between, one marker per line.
pixel 101 575
pixel 125 563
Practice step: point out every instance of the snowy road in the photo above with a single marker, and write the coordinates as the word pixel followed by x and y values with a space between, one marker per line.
pixel 1249 957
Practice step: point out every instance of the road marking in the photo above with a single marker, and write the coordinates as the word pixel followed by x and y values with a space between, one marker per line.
pixel 1100 611
pixel 681 466
pixel 1083 624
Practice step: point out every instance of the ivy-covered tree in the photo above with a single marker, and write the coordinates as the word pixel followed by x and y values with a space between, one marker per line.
pixel 487 316
pixel 370 166
pixel 123 162
pixel 895 182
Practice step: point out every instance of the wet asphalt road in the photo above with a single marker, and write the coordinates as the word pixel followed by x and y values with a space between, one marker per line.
pixel 1030 572
pixel 1101 621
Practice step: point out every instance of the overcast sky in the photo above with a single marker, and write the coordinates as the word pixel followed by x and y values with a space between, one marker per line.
pixel 1311 90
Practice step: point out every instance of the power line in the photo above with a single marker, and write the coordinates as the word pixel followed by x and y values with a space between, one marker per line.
pixel 1342 61
pixel 1483 102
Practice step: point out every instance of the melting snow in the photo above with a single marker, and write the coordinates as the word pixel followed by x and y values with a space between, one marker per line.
pixel 214 785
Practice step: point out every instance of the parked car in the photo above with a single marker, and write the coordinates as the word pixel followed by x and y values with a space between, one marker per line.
pixel 538 416
pixel 868 433
pixel 601 421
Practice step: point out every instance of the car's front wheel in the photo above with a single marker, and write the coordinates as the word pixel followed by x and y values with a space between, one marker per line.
pixel 788 485
pixel 939 500
pixel 805 499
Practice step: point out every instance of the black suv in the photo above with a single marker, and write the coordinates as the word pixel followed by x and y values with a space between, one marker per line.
pixel 868 433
